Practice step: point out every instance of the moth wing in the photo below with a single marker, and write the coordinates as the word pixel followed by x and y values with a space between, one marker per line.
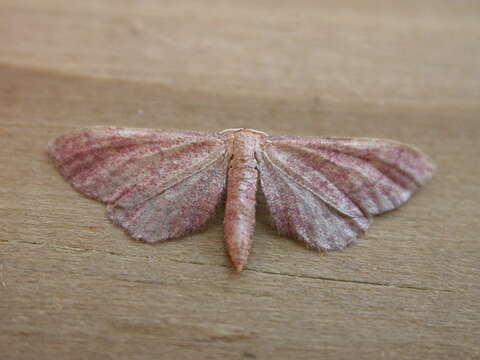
pixel 375 175
pixel 300 212
pixel 334 185
pixel 181 208
pixel 157 184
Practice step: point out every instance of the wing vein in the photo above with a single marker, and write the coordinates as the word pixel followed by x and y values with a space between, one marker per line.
pixel 305 186
pixel 209 161
pixel 364 159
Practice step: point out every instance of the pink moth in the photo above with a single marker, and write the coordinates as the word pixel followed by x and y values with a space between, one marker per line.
pixel 161 185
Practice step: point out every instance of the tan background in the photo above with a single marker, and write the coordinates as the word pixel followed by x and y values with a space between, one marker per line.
pixel 74 286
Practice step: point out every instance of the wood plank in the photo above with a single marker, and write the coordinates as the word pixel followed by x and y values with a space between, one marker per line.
pixel 72 285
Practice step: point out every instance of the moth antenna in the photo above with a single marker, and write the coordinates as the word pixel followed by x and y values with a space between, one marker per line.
pixel 239 129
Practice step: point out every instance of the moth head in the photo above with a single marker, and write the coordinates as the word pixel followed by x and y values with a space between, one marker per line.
pixel 227 131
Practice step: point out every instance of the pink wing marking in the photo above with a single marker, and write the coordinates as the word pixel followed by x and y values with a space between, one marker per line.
pixel 183 207
pixel 342 180
pixel 105 163
pixel 137 171
pixel 375 175
pixel 300 212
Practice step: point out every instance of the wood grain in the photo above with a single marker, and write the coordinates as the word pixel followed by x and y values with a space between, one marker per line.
pixel 74 286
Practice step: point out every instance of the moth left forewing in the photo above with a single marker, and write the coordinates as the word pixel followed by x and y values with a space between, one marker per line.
pixel 157 184
pixel 106 162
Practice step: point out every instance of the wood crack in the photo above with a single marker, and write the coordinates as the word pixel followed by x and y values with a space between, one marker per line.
pixel 324 278
pixel 265 272
pixel 353 281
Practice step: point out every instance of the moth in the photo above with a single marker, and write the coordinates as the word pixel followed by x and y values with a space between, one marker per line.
pixel 161 185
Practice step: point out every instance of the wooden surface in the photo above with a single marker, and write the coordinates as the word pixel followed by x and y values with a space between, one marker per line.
pixel 73 286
